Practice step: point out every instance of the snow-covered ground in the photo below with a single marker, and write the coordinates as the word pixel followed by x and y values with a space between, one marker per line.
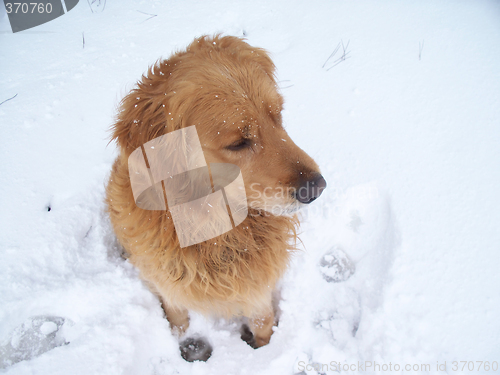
pixel 404 121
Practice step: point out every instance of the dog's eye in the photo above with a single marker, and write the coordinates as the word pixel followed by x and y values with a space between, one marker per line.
pixel 240 144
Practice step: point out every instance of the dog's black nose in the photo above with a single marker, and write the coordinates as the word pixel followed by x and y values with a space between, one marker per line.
pixel 309 190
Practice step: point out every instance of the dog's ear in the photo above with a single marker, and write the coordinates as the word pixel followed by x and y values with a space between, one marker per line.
pixel 144 114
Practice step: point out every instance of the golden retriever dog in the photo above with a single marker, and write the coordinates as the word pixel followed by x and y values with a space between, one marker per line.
pixel 228 91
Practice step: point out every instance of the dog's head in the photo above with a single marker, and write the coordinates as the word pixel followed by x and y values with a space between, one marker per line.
pixel 227 89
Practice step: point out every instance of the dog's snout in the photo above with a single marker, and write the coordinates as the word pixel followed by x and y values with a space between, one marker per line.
pixel 311 189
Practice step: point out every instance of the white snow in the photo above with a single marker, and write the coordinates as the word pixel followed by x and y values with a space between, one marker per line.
pixel 404 121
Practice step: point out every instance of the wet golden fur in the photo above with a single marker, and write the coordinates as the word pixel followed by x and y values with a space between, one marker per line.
pixel 228 90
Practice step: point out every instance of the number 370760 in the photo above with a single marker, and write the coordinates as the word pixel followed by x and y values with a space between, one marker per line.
pixel 474 366
pixel 28 8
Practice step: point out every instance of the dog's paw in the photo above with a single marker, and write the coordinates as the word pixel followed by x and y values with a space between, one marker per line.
pixel 247 336
pixel 195 349
pixel 33 338
pixel 336 266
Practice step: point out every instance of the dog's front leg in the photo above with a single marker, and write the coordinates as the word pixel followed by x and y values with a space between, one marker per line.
pixel 262 328
pixel 192 348
pixel 178 318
